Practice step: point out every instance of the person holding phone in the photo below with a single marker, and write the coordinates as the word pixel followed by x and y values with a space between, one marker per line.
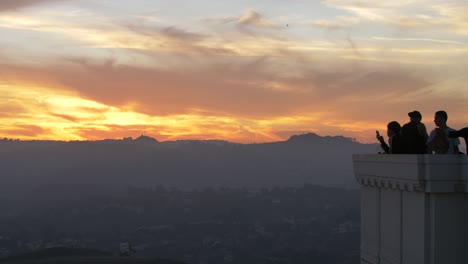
pixel 395 143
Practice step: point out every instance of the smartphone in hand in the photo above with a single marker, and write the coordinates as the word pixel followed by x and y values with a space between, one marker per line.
pixel 378 136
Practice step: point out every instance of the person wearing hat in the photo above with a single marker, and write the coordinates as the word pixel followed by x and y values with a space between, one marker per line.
pixel 414 134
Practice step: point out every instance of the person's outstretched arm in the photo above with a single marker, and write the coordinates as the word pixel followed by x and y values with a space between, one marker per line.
pixel 383 145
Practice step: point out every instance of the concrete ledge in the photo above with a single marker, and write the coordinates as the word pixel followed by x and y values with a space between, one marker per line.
pixel 413 173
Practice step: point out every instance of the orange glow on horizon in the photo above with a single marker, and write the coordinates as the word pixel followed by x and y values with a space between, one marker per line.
pixel 49 114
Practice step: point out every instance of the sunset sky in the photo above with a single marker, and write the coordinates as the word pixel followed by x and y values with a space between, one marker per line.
pixel 243 71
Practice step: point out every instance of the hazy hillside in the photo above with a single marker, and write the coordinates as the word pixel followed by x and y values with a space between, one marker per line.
pixel 114 164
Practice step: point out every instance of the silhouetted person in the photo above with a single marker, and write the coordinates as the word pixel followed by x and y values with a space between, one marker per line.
pixel 395 144
pixel 460 133
pixel 414 135
pixel 439 142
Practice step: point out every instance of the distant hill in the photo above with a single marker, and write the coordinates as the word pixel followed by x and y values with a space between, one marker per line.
pixel 308 138
pixel 111 165
pixel 146 139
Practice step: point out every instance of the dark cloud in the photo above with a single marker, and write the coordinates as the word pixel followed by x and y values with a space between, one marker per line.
pixel 176 33
pixel 251 23
pixel 250 18
pixel 67 117
pixel 168 32
pixel 367 84
pixel 354 47
pixel 177 40
pixel 23 130
pixel 254 23
pixel 11 109
pixel 253 18
pixel 17 4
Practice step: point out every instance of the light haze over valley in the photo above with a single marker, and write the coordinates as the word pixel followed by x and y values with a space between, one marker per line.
pixel 112 165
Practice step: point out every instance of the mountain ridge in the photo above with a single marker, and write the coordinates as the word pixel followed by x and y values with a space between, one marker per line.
pixel 307 137
pixel 114 164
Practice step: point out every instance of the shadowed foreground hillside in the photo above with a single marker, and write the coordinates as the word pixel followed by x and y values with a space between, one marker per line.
pixel 91 260
pixel 63 255
pixel 289 225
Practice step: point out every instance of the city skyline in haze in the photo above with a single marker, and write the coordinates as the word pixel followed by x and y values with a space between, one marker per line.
pixel 240 71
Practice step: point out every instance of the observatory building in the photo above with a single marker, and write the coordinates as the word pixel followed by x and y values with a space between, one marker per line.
pixel 413 208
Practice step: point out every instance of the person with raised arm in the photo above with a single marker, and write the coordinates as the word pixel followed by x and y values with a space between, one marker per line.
pixel 395 144
pixel 463 133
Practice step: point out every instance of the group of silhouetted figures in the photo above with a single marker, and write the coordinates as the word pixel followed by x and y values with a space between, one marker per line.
pixel 412 138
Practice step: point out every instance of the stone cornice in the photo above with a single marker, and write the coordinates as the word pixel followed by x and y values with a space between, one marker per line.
pixel 413 173
pixel 391 183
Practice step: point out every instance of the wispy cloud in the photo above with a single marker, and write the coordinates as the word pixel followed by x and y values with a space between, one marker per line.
pixel 439 41
pixel 428 14
pixel 119 36
pixel 328 24
pixel 253 18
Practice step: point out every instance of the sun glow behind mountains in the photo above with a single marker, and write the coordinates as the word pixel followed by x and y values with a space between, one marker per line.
pixel 41 113
pixel 236 71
